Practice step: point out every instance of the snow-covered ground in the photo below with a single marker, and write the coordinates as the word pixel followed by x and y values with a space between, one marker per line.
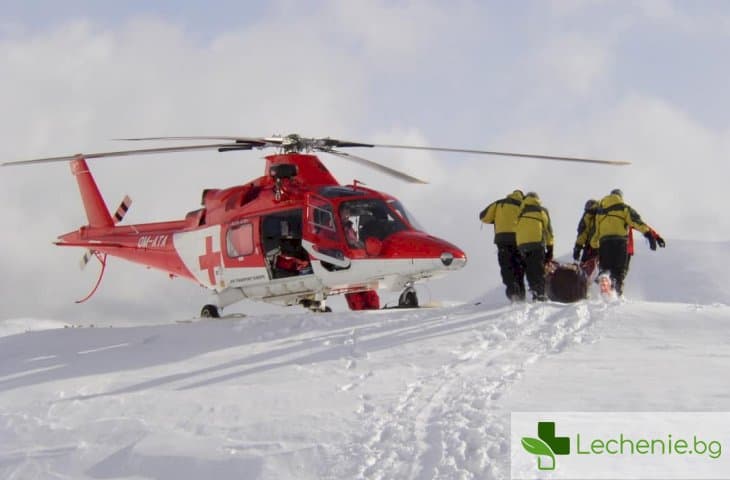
pixel 416 394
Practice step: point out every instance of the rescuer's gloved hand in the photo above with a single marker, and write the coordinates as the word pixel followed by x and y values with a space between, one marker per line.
pixel 652 240
pixel 548 253
pixel 660 241
pixel 576 252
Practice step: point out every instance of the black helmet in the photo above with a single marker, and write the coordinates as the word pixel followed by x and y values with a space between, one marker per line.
pixel 617 191
pixel 590 204
pixel 532 195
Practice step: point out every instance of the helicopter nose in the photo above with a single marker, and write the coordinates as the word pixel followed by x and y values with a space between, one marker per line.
pixel 452 258
pixel 420 245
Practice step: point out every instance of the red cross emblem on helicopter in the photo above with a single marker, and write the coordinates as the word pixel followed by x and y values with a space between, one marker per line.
pixel 210 259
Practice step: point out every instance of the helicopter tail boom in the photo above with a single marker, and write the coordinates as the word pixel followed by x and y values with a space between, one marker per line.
pixel 96 209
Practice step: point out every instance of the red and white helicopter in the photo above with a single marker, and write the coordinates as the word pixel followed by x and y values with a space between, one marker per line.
pixel 293 236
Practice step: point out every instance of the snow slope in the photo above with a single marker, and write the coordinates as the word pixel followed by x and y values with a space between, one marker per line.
pixel 379 395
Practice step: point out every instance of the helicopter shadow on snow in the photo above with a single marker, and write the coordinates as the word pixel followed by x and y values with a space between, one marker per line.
pixel 357 343
pixel 295 340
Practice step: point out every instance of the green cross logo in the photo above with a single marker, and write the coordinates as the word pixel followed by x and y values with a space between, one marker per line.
pixel 546 444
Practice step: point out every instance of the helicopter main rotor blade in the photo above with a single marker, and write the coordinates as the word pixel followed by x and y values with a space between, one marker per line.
pixel 377 166
pixel 295 143
pixel 301 143
pixel 123 153
pixel 327 143
pixel 508 154
pixel 254 141
pixel 318 144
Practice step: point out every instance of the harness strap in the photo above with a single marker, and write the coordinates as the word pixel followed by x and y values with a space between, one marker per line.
pixel 608 212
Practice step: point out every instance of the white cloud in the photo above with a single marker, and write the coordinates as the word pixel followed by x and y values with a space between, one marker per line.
pixel 569 8
pixel 387 31
pixel 686 17
pixel 575 62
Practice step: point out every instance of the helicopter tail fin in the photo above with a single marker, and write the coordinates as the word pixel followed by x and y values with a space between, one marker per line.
pixel 96 209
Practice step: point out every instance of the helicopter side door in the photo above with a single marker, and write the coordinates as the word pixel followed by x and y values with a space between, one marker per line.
pixel 281 241
pixel 322 238
pixel 242 256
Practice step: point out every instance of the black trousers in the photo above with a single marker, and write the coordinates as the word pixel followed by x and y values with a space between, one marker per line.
pixel 612 257
pixel 535 271
pixel 512 269
pixel 588 253
pixel 628 262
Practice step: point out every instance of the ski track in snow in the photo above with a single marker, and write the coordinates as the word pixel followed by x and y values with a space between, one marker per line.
pixel 448 423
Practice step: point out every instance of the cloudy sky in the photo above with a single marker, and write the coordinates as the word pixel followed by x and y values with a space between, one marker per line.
pixel 643 81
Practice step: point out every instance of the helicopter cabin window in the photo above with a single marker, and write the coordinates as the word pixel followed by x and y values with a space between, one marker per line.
pixel 369 218
pixel 239 241
pixel 323 222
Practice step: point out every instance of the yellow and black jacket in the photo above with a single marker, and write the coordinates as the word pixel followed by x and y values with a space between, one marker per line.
pixel 533 226
pixel 503 214
pixel 613 219
pixel 587 226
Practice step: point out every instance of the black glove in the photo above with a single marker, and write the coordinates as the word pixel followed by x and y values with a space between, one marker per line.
pixel 576 252
pixel 548 253
pixel 652 240
pixel 660 241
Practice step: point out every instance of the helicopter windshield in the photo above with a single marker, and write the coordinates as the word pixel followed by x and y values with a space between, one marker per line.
pixel 407 215
pixel 368 218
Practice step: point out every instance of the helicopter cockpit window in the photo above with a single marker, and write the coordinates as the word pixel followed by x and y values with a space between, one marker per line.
pixel 349 225
pixel 323 222
pixel 407 216
pixel 239 241
pixel 370 218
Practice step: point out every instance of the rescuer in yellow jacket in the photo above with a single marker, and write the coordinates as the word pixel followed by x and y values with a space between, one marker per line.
pixel 586 229
pixel 534 236
pixel 613 220
pixel 503 214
